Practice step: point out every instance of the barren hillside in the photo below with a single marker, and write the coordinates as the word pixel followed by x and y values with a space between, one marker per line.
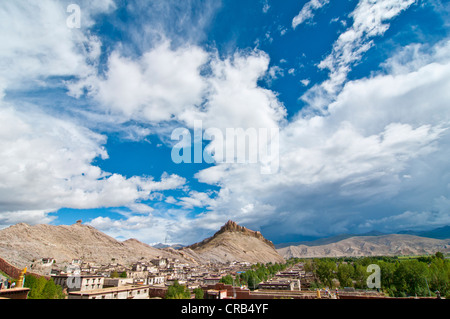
pixel 21 244
pixel 236 243
pixel 388 245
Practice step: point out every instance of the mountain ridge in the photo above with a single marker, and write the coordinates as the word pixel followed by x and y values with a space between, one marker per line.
pixel 236 243
pixel 437 233
pixel 232 226
pixel 384 245
pixel 23 244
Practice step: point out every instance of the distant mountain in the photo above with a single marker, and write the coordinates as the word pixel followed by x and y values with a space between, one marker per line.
pixel 162 246
pixel 384 245
pixel 327 240
pixel 23 244
pixel 236 243
pixel 438 233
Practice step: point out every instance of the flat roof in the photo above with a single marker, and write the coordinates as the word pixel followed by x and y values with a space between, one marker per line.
pixel 108 290
pixel 82 276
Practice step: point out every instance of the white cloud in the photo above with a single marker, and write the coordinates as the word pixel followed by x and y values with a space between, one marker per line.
pixel 186 84
pixel 377 156
pixel 161 84
pixel 266 6
pixel 234 99
pixel 305 82
pixel 150 228
pixel 46 164
pixel 195 199
pixel 381 151
pixel 370 19
pixel 46 161
pixel 374 147
pixel 30 217
pixel 36 42
pixel 307 12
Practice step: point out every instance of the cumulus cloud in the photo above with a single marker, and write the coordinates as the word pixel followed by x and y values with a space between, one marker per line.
pixel 32 217
pixel 36 42
pixel 378 154
pixel 158 86
pixel 187 84
pixel 46 164
pixel 47 159
pixel 378 157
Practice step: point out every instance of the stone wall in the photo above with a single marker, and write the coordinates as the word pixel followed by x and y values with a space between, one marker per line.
pixel 157 292
pixel 14 272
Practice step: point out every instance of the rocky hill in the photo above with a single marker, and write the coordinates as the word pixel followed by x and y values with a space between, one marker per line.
pixel 236 243
pixel 386 245
pixel 21 244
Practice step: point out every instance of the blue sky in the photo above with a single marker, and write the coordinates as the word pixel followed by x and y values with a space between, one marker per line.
pixel 358 91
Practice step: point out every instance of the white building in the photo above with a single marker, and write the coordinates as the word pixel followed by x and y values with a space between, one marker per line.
pixel 125 292
pixel 79 282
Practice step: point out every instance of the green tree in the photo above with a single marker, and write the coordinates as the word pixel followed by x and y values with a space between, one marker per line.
pixel 439 276
pixel 36 286
pixel 439 255
pixel 199 294
pixel 410 278
pixel 52 291
pixel 360 276
pixel 345 274
pixel 251 279
pixel 325 271
pixel 227 280
pixel 123 275
pixel 387 270
pixel 41 288
pixel 177 291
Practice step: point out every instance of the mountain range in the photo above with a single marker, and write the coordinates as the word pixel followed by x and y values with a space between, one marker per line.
pixel 438 233
pixel 381 245
pixel 24 245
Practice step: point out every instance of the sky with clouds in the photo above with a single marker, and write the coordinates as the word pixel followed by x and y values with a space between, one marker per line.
pixel 358 91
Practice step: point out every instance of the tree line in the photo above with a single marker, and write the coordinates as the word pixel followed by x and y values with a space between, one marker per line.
pixel 400 277
pixel 256 274
pixel 251 278
pixel 41 288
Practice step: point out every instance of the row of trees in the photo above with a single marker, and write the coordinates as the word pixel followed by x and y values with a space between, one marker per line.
pixel 421 276
pixel 251 278
pixel 178 291
pixel 257 274
pixel 41 288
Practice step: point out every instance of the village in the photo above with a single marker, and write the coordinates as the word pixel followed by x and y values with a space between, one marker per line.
pixel 151 280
